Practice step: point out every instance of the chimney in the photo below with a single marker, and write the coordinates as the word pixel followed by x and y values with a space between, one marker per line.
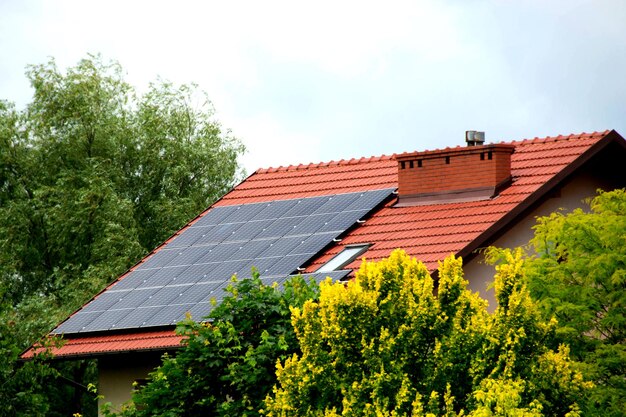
pixel 474 172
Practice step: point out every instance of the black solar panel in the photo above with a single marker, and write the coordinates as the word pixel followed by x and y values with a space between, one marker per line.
pixel 159 259
pixel 170 314
pixel 137 317
pixel 108 320
pixel 311 224
pixel 163 276
pixel 313 244
pixel 251 250
pixel 134 298
pixel 134 279
pixel 196 273
pixel 219 233
pixel 78 322
pixel 105 301
pixel 187 256
pixel 195 267
pixel 274 210
pixel 337 203
pixel 189 236
pixel 305 206
pixel 215 216
pixel 164 296
pixel 249 231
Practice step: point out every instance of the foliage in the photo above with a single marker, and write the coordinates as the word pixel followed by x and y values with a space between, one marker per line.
pixel 92 176
pixel 579 276
pixel 226 367
pixel 387 345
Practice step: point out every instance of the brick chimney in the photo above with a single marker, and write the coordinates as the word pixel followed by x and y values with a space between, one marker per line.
pixel 453 174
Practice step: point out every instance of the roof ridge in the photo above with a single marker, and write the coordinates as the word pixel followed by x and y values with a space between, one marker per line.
pixel 355 161
pixel 324 164
pixel 561 137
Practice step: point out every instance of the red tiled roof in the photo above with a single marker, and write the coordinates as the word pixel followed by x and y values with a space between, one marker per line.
pixel 429 232
pixel 116 343
pixel 311 180
pixel 433 231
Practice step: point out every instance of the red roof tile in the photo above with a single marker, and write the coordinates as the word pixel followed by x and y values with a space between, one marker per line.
pixel 115 343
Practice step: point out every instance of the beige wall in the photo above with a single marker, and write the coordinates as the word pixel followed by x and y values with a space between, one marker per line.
pixel 581 187
pixel 116 374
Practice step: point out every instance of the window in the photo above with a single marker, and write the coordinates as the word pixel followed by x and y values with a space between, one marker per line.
pixel 343 258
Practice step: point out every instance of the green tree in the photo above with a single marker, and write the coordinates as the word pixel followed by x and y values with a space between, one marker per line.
pixel 93 176
pixel 226 366
pixel 387 345
pixel 579 277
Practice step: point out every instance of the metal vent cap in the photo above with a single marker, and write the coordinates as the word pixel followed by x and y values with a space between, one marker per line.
pixel 474 138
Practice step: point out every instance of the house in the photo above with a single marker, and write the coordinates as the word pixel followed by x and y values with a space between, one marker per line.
pixel 322 219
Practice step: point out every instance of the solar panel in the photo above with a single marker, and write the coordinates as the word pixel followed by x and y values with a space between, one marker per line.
pixel 105 301
pixel 337 203
pixel 134 279
pixel 287 264
pixel 159 259
pixel 219 253
pixel 187 256
pixel 339 222
pixel 227 269
pixel 163 296
pixel 189 236
pixel 138 317
pixel 311 224
pixel 305 206
pixel 251 250
pixel 108 320
pixel 134 298
pixel 219 233
pixel 280 227
pixel 274 210
pixel 200 310
pixel 215 216
pixel 249 230
pixel 77 322
pixel 281 247
pixel 163 276
pixel 244 213
pixel 195 273
pixel 276 237
pixel 313 244
pixel 169 315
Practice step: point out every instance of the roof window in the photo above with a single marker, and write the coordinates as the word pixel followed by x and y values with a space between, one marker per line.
pixel 343 258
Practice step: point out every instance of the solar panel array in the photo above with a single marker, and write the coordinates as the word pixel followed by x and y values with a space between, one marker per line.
pixel 195 267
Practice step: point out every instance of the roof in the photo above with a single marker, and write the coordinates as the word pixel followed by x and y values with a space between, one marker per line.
pixel 432 232
pixel 113 343
pixel 429 232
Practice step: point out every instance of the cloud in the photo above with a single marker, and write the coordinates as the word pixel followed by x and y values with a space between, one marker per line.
pixel 302 82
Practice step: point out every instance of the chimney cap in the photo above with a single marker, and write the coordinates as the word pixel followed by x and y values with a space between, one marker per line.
pixel 474 138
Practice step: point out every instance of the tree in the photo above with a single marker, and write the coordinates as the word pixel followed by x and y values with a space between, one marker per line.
pixel 386 345
pixel 226 365
pixel 579 277
pixel 93 176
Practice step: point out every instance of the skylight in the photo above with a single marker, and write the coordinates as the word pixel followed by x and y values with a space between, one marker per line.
pixel 343 258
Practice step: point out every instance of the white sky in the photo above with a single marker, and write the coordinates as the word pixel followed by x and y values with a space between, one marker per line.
pixel 307 82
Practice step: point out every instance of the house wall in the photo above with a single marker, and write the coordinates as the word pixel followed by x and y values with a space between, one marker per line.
pixel 116 374
pixel 570 196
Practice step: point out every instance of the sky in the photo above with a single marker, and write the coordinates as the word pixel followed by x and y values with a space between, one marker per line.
pixel 302 82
